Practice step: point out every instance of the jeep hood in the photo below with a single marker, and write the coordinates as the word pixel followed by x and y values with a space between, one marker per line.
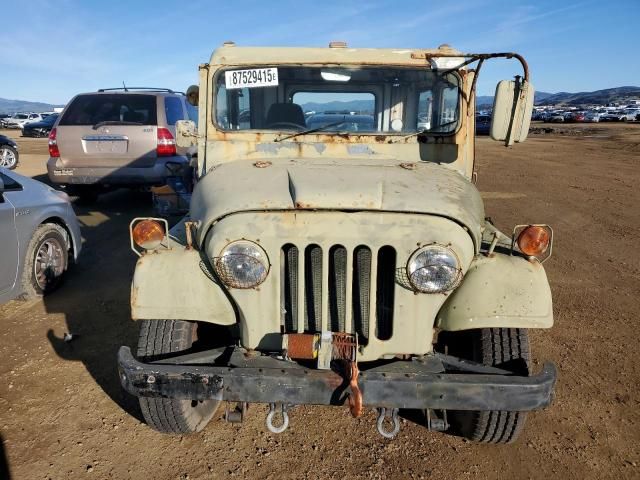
pixel 340 184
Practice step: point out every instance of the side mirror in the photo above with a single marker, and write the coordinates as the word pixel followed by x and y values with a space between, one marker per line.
pixel 186 133
pixel 193 95
pixel 512 108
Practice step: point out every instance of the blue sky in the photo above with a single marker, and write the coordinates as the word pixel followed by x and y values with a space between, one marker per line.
pixel 51 50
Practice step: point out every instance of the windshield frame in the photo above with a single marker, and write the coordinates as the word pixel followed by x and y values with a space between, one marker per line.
pixel 212 98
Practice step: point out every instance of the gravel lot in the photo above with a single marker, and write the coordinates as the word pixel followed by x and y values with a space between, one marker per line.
pixel 63 414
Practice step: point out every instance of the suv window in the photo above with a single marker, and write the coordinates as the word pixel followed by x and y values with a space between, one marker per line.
pixel 192 112
pixel 173 110
pixel 111 107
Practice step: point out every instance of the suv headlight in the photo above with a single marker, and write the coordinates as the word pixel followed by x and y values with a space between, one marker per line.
pixel 242 264
pixel 434 269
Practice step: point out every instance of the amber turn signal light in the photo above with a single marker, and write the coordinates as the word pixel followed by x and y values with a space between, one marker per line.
pixel 534 240
pixel 148 234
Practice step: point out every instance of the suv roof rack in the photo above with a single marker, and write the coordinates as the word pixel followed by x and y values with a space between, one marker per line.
pixel 148 89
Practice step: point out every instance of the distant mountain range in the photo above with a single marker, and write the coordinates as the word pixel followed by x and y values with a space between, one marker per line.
pixel 599 97
pixel 13 106
pixel 487 100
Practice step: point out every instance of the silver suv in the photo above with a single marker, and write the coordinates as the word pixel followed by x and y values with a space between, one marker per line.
pixel 118 138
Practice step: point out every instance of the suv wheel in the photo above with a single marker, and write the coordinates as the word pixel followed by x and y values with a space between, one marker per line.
pixel 8 157
pixel 158 337
pixel 506 348
pixel 46 261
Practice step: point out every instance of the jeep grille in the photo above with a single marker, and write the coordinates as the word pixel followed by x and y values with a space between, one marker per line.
pixel 353 280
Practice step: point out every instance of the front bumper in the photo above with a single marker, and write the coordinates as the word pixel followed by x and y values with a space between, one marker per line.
pixel 401 384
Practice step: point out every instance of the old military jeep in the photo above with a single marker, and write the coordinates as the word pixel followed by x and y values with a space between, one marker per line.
pixel 337 251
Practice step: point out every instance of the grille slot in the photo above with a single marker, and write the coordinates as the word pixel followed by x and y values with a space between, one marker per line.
pixel 289 287
pixel 313 288
pixel 385 280
pixel 337 288
pixel 356 282
pixel 361 292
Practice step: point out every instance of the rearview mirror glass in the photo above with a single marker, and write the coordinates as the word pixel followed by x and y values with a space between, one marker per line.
pixel 193 95
pixel 512 108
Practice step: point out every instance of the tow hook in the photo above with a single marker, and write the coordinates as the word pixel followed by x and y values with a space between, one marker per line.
pixel 392 415
pixel 280 408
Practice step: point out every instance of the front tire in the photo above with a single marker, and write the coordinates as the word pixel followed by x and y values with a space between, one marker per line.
pixel 46 261
pixel 506 348
pixel 166 415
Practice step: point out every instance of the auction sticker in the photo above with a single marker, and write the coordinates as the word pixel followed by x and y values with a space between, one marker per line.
pixel 256 77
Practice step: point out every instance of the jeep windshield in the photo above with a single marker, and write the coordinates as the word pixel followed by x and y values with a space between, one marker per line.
pixel 348 100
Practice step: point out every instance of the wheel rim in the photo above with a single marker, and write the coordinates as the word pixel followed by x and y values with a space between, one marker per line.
pixel 49 263
pixel 7 157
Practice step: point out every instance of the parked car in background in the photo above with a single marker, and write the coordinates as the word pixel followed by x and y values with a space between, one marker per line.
pixel 483 124
pixel 20 119
pixel 119 138
pixel 571 117
pixel 630 114
pixel 39 234
pixel 593 116
pixel 614 116
pixel 556 117
pixel 9 156
pixel 41 128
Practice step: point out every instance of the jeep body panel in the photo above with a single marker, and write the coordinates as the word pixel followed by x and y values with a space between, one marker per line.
pixel 499 291
pixel 171 284
pixel 342 184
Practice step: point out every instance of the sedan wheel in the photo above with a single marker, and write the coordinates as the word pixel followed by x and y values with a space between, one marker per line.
pixel 46 261
pixel 8 157
pixel 50 262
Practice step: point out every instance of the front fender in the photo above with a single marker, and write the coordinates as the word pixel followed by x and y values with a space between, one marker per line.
pixel 170 285
pixel 501 291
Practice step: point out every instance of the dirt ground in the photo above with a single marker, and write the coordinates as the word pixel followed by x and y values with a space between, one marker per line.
pixel 63 413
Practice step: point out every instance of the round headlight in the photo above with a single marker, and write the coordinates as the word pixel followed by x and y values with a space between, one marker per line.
pixel 434 269
pixel 242 264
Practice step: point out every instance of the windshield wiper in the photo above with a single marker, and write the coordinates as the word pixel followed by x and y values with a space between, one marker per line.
pixel 312 130
pixel 114 122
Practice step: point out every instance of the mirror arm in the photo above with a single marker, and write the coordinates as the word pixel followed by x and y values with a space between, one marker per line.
pixel 473 83
pixel 472 57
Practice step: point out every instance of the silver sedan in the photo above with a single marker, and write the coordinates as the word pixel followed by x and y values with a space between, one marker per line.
pixel 39 237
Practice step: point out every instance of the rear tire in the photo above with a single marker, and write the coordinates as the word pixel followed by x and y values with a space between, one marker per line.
pixel 168 415
pixel 506 348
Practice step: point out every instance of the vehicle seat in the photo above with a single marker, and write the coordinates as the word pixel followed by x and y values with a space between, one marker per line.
pixel 285 113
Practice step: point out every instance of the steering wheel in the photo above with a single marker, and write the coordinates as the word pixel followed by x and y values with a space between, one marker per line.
pixel 277 125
